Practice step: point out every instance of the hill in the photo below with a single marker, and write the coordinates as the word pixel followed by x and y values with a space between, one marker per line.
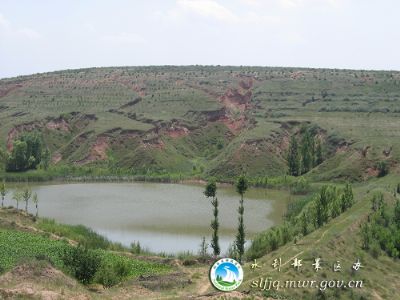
pixel 204 120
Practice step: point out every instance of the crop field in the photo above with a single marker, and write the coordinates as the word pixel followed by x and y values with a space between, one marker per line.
pixel 18 246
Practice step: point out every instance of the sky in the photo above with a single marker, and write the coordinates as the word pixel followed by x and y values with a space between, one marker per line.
pixel 47 35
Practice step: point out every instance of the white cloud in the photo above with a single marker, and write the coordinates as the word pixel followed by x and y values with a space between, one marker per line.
pixel 29 33
pixel 4 22
pixel 124 38
pixel 207 8
pixel 12 31
pixel 211 9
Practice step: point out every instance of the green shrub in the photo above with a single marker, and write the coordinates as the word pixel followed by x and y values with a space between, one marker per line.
pixel 107 276
pixel 300 186
pixel 383 168
pixel 82 263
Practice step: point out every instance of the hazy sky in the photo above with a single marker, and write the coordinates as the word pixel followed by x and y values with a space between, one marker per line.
pixel 46 35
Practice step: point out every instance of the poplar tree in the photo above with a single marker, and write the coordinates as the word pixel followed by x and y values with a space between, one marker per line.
pixel 241 188
pixel 211 191
pixel 318 154
pixel 293 157
pixel 3 192
pixel 26 195
pixel 307 152
pixel 35 200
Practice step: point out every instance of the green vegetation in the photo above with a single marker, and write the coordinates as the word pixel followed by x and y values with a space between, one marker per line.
pixel 199 121
pixel 306 155
pixel 241 188
pixel 211 191
pixel 26 153
pixel 302 218
pixel 83 235
pixel 35 201
pixel 84 264
pixel 382 230
pixel 286 128
pixel 293 157
pixel 3 192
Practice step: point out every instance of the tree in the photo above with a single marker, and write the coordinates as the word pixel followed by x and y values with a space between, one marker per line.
pixel 396 216
pixel 3 156
pixel 3 192
pixel 82 262
pixel 383 168
pixel 26 153
pixel 304 224
pixel 203 248
pixel 35 200
pixel 318 154
pixel 17 160
pixel 17 196
pixel 241 188
pixel 365 236
pixel 377 201
pixel 322 206
pixel 293 157
pixel 307 151
pixel 347 198
pixel 211 191
pixel 26 195
pixel 46 156
pixel 336 208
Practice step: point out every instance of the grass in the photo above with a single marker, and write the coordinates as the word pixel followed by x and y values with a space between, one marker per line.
pixel 358 106
pixel 355 111
pixel 78 233
pixel 337 240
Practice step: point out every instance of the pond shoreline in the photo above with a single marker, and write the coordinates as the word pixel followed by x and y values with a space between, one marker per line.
pixel 154 214
pixel 283 182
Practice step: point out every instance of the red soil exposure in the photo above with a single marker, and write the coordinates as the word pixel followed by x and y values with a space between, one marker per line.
pixel 13 133
pixel 5 91
pixel 234 125
pixel 236 99
pixel 155 143
pixel 57 157
pixel 177 131
pixel 98 151
pixel 371 172
pixel 138 88
pixel 246 84
pixel 10 138
pixel 58 124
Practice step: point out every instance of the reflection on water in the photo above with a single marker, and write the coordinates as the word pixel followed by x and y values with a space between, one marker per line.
pixel 164 217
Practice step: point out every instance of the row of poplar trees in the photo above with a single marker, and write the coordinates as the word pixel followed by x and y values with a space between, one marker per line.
pixel 211 192
pixel 305 154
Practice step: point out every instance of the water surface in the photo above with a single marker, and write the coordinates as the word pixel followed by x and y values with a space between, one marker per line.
pixel 167 218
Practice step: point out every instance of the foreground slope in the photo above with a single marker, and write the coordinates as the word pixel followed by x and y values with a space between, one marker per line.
pixel 339 240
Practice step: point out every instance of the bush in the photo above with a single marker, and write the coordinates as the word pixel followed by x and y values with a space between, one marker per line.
pixel 82 263
pixel 383 168
pixel 375 249
pixel 106 276
pixel 111 274
pixel 300 186
pixel 136 248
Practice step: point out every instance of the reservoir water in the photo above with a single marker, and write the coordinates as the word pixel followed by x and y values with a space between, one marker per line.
pixel 168 218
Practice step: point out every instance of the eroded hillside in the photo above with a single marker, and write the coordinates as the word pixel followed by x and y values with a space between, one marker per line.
pixel 207 120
